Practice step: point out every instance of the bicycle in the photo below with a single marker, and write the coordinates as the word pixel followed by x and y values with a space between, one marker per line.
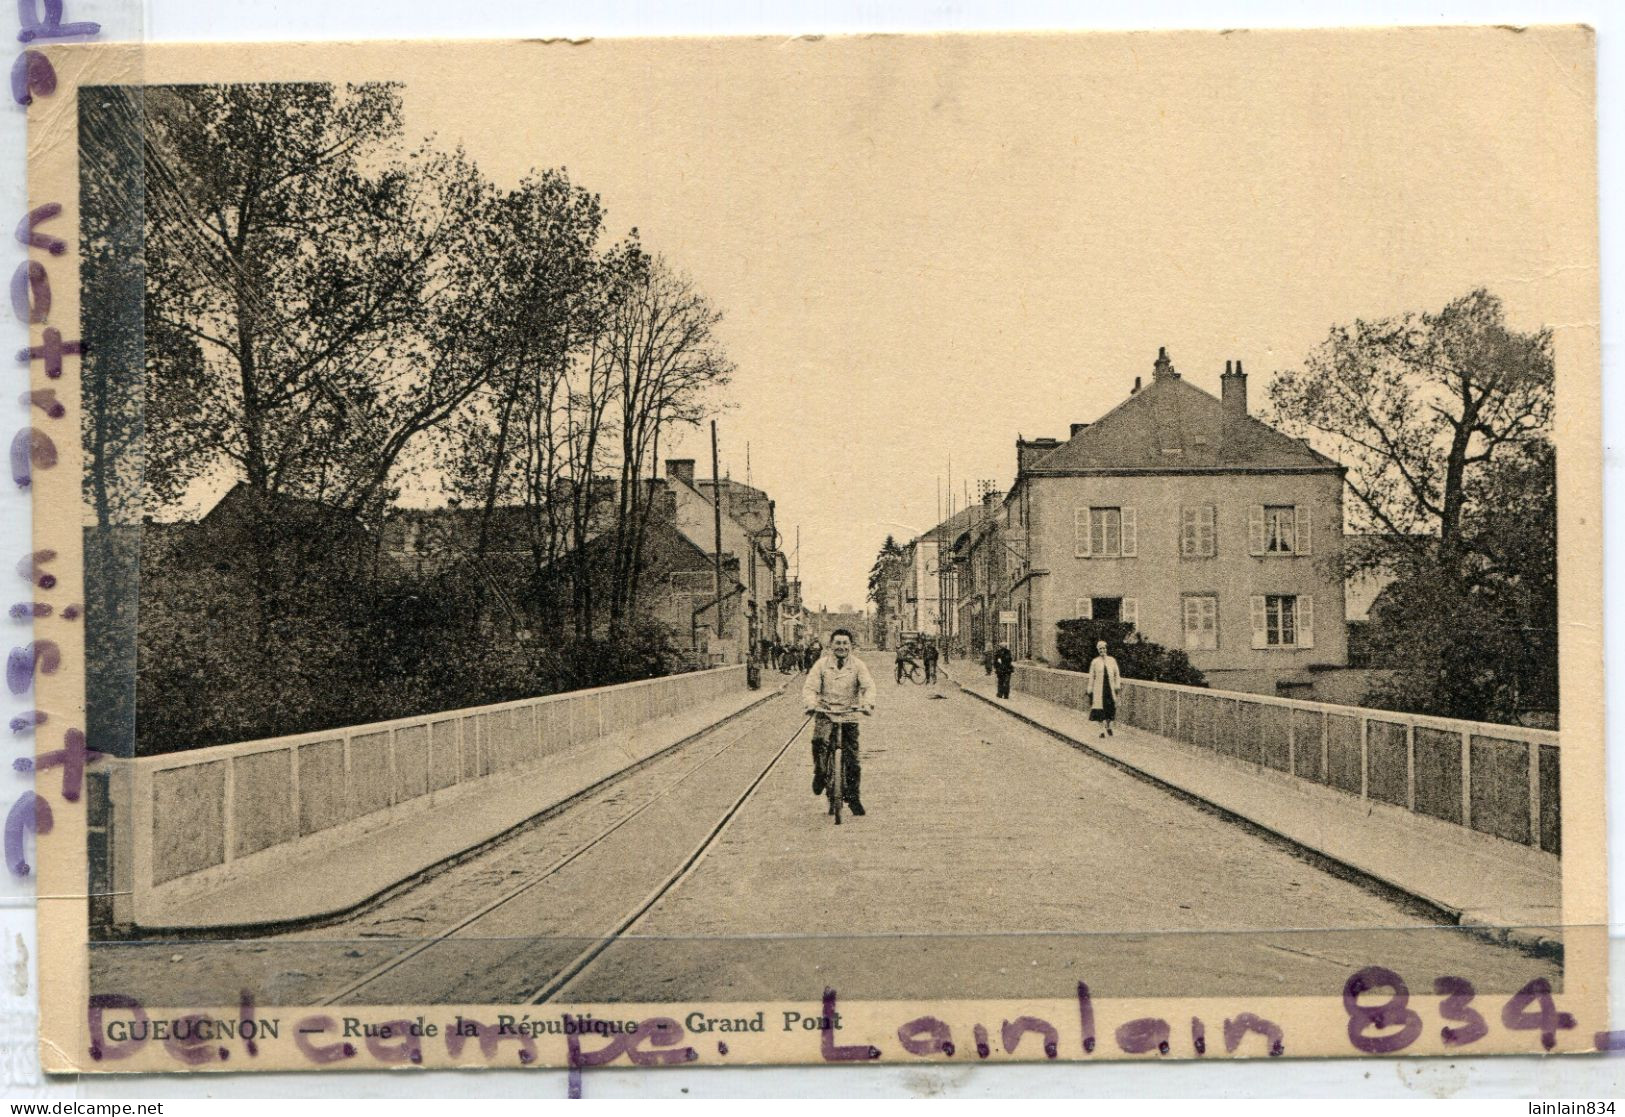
pixel 835 776
pixel 913 672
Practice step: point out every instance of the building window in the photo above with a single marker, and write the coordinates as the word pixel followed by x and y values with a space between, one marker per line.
pixel 1125 609
pixel 1104 533
pixel 1196 534
pixel 1283 621
pixel 1279 529
pixel 1201 622
pixel 1280 621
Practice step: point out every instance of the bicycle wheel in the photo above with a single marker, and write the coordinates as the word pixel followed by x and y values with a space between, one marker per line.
pixel 916 675
pixel 836 785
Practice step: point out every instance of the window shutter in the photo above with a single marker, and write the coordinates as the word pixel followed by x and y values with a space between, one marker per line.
pixel 1192 618
pixel 1207 533
pixel 1086 608
pixel 1080 533
pixel 1255 607
pixel 1306 622
pixel 1255 530
pixel 1131 611
pixel 1306 532
pixel 1130 534
pixel 1187 533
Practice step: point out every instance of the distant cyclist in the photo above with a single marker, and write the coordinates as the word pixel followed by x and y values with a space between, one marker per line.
pixel 905 661
pixel 838 689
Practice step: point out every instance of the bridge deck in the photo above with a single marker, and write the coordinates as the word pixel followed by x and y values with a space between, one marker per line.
pixel 995 861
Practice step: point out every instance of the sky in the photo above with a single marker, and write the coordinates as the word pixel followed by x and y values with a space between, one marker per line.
pixel 926 246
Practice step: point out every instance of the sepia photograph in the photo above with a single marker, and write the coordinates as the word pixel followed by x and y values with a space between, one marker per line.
pixel 888 548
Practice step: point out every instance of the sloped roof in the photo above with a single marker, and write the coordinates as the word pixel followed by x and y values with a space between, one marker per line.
pixel 1172 426
pixel 954 526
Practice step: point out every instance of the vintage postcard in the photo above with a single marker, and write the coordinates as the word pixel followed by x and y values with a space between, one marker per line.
pixel 929 549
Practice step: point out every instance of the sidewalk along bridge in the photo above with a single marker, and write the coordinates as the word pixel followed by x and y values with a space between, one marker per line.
pixel 1005 853
pixel 1463 816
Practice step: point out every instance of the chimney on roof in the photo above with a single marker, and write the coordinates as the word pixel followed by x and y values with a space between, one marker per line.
pixel 1233 391
pixel 1028 452
pixel 1163 368
pixel 1079 428
pixel 680 469
pixel 662 499
pixel 1134 391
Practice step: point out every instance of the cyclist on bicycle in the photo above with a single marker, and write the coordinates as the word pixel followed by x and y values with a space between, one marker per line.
pixel 838 689
pixel 906 662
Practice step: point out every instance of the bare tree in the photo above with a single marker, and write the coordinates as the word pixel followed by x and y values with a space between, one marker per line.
pixel 668 362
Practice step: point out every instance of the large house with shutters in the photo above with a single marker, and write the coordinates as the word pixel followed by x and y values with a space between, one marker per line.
pixel 1181 513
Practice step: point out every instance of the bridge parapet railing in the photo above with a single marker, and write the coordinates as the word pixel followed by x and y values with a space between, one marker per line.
pixel 1500 780
pixel 182 822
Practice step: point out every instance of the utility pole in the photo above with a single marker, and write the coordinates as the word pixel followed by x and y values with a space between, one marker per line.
pixel 945 503
pixel 936 534
pixel 716 509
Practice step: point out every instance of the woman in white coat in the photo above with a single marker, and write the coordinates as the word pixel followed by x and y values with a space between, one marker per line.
pixel 1105 683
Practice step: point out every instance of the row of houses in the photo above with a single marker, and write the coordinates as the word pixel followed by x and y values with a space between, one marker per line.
pixel 716 617
pixel 1177 511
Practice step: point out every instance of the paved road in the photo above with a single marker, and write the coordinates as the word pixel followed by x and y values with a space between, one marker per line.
pixel 994 862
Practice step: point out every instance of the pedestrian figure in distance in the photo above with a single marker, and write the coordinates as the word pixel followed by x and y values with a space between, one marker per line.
pixel 1004 665
pixel 930 659
pixel 838 689
pixel 1104 684
pixel 987 661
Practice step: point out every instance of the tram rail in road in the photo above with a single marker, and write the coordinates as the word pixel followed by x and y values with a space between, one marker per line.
pixel 586 957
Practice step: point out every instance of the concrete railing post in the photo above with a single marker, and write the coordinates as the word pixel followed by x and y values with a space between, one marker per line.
pixel 1410 765
pixel 1325 746
pixel 293 766
pixel 228 812
pixel 461 726
pixel 1534 794
pixel 1291 744
pixel 389 753
pixel 1466 778
pixel 1365 757
pixel 349 781
pixel 145 828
